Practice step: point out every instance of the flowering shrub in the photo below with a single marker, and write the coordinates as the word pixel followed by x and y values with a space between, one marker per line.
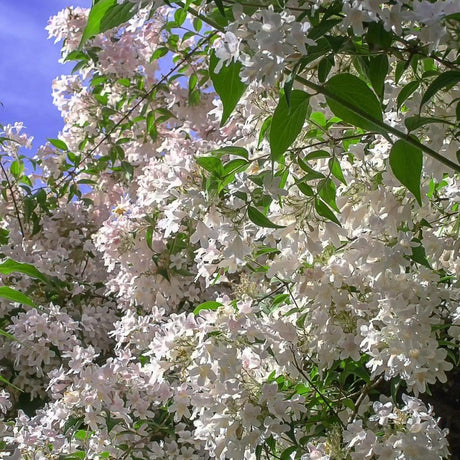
pixel 244 242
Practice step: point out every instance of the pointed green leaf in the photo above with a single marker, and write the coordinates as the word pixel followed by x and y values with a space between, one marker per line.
pixel 419 256
pixel 416 122
pixel 231 150
pixel 336 170
pixel 180 15
pixel 327 191
pixel 105 15
pixel 17 168
pixel 227 84
pixel 159 53
pixel 211 164
pixel 405 92
pixel 7 382
pixel 93 26
pixel 311 173
pixel 305 188
pixel 263 130
pixel 61 145
pixel 9 336
pixel 377 37
pixel 319 118
pixel 210 305
pixel 235 166
pixel 443 81
pixel 15 296
pixel 261 220
pixel 288 87
pixel 378 69
pixel 287 122
pixel 149 237
pixel 406 163
pixel 287 454
pixel 323 210
pixel 220 7
pixel 353 101
pixel 11 266
pixel 324 67
pixel 317 154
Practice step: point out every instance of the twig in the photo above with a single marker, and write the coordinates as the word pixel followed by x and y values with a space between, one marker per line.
pixel 310 382
pixel 138 103
pixel 363 394
pixel 10 187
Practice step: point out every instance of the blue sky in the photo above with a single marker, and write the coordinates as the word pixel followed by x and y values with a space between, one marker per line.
pixel 29 63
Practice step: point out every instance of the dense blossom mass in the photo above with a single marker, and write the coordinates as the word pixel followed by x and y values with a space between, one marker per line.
pixel 244 242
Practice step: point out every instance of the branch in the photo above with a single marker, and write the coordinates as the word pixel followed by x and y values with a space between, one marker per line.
pixel 138 103
pixel 310 382
pixel 322 90
pixel 16 209
pixel 389 129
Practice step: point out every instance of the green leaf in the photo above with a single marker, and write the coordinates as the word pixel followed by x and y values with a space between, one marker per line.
pixel 416 122
pixel 227 84
pixel 210 305
pixel 211 164
pixel 9 336
pixel 323 210
pixel 287 453
pixel 180 15
pixel 265 250
pixel 81 435
pixel 351 100
pixel 128 169
pixel 260 219
pixel 61 145
pixel 377 37
pixel 220 7
pixel 336 170
pixel 15 296
pixel 287 122
pixel 17 168
pixel 7 382
pixel 401 67
pixel 378 69
pixel 77 455
pixel 406 92
pixel 444 80
pixel 305 189
pixel 234 166
pixel 231 150
pixel 327 191
pixel 149 237
pixel 419 256
pixel 197 24
pixel 311 173
pixel 11 266
pixel 159 53
pixel 319 118
pixel 105 15
pixel 317 154
pixel 324 67
pixel 288 86
pixel 263 130
pixel 192 82
pixel 406 163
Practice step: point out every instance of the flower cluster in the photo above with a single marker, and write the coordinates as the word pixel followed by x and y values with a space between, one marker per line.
pixel 282 286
